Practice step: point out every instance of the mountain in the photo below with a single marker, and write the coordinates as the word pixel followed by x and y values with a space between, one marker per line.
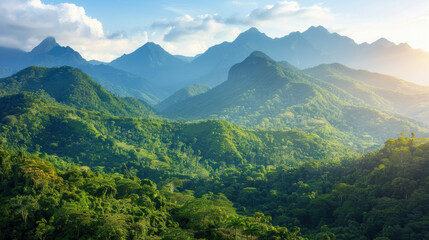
pixel 151 147
pixel 45 46
pixel 185 58
pixel 261 93
pixel 96 62
pixel 152 62
pixel 181 95
pixel 312 47
pixel 74 88
pixel 218 59
pixel 50 54
pixel 377 90
pixel 125 84
pixel 381 56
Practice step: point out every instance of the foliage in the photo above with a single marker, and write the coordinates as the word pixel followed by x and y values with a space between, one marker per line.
pixel 150 148
pixel 380 194
pixel 263 94
pixel 74 88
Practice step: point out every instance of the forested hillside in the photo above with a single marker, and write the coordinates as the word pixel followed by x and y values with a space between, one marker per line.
pixel 74 88
pixel 377 90
pixel 263 94
pixel 149 147
pixel 40 201
pixel 380 195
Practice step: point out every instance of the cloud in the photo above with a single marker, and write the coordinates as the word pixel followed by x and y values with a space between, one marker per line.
pixel 188 26
pixel 24 23
pixel 283 10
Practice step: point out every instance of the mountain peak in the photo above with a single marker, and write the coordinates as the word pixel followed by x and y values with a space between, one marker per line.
pixel 151 45
pixel 259 54
pixel 45 46
pixel 151 48
pixel 383 42
pixel 318 29
pixel 251 34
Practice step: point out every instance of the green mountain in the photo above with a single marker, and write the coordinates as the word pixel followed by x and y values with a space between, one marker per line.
pixel 261 93
pixel 377 90
pixel 50 54
pixel 74 88
pixel 182 94
pixel 149 147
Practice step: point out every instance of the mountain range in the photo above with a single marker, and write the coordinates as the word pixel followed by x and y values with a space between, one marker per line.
pixel 50 54
pixel 264 94
pixel 151 73
pixel 312 47
pixel 270 152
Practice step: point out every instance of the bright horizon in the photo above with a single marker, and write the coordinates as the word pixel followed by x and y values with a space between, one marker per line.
pixel 105 30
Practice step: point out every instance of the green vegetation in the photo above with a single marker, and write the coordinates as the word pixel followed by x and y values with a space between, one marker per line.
pixel 182 94
pixel 377 90
pixel 74 88
pixel 381 194
pixel 76 163
pixel 263 94
pixel 41 201
pixel 148 147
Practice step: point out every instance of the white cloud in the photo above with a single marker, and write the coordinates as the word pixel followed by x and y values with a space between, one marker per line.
pixel 188 26
pixel 188 35
pixel 24 23
pixel 283 10
pixel 213 26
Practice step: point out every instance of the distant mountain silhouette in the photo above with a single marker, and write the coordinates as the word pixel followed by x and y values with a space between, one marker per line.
pixel 152 62
pixel 50 54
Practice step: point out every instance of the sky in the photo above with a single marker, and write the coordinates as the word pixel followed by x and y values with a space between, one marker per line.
pixel 106 29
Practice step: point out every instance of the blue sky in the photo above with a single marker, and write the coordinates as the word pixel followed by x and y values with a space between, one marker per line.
pixel 105 29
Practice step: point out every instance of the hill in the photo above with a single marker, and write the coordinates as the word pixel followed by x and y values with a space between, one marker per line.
pixel 380 195
pixel 74 88
pixel 182 94
pixel 261 93
pixel 377 90
pixel 153 148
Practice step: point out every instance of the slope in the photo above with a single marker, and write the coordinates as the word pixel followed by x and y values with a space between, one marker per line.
pixel 182 94
pixel 261 93
pixel 378 90
pixel 380 195
pixel 150 148
pixel 73 87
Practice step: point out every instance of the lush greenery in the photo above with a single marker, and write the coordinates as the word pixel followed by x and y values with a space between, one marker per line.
pixel 381 194
pixel 74 88
pixel 182 94
pixel 41 201
pixel 263 94
pixel 77 165
pixel 378 90
pixel 149 147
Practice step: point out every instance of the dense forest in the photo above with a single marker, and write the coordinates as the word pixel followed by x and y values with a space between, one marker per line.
pixel 82 163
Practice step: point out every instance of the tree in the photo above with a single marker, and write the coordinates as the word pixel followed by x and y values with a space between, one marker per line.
pixel 235 223
pixel 44 229
pixel 250 229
